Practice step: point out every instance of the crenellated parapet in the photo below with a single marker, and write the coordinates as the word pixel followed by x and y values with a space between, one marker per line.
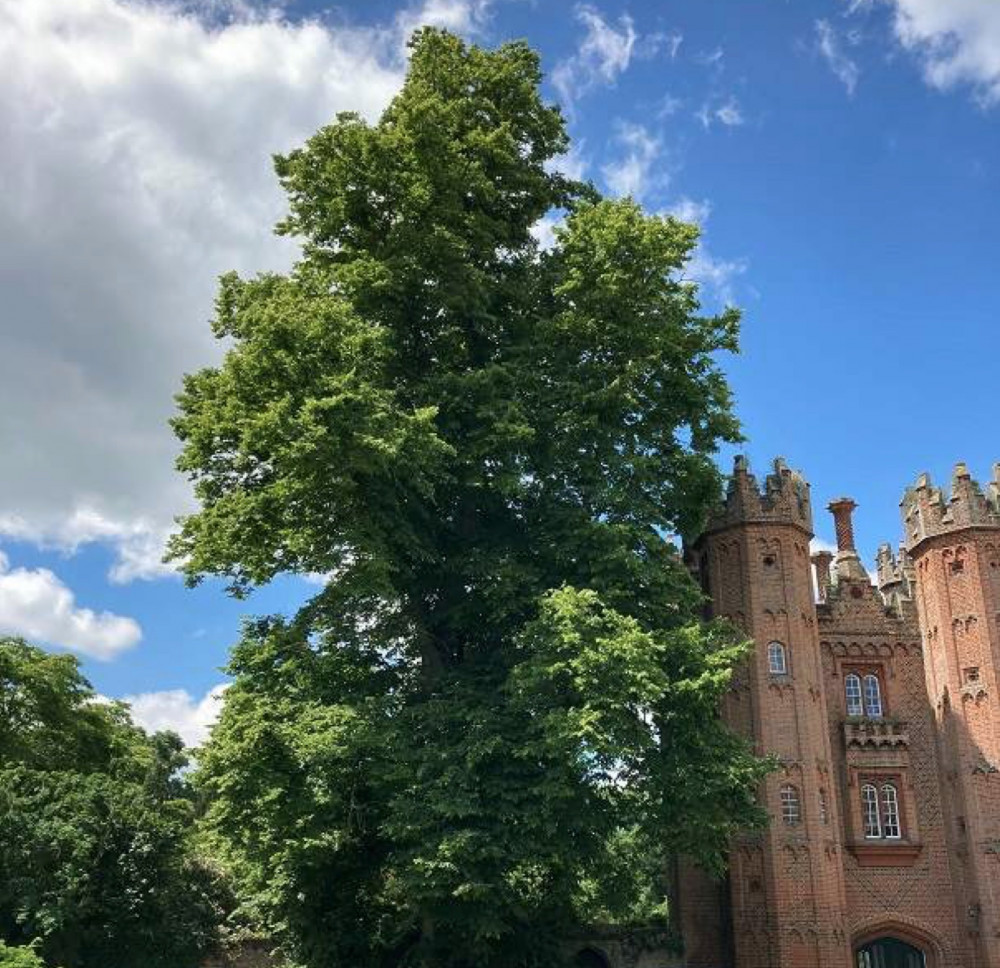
pixel 784 498
pixel 927 511
pixel 896 573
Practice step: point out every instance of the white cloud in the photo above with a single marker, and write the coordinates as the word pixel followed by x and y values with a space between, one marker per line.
pixel 138 543
pixel 632 173
pixel 956 41
pixel 136 168
pixel 544 230
pixel 459 16
pixel 649 45
pixel 728 113
pixel 711 58
pixel 821 544
pixel 572 164
pixel 831 48
pixel 717 276
pixel 690 210
pixel 178 710
pixel 604 53
pixel 35 604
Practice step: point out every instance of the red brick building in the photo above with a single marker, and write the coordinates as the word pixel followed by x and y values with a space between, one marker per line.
pixel 880 701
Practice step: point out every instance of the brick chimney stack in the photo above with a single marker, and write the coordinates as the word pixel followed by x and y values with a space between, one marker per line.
pixel 847 562
pixel 821 562
pixel 842 510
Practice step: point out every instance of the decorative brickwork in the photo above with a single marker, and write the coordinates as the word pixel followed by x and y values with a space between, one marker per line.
pixel 885 726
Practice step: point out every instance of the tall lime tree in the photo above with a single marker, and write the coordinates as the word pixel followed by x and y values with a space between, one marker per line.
pixel 497 720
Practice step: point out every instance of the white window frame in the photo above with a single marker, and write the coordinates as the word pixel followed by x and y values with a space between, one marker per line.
pixel 791 805
pixel 889 809
pixel 871 815
pixel 777 659
pixel 872 693
pixel 852 693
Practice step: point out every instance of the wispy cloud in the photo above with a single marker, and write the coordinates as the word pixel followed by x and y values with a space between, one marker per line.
pixel 633 172
pixel 728 113
pixel 711 58
pixel 574 163
pixel 690 210
pixel 717 276
pixel 831 47
pixel 669 42
pixel 603 54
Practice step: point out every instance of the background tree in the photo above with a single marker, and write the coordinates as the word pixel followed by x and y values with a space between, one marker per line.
pixel 503 688
pixel 19 958
pixel 95 863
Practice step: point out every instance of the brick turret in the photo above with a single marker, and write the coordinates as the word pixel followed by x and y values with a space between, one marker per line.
pixel 787 896
pixel 954 543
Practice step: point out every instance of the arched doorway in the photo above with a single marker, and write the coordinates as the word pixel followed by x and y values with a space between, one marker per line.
pixel 890 953
pixel 588 958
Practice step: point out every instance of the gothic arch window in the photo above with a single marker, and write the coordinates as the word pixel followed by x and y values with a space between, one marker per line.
pixel 777 659
pixel 880 811
pixel 870 812
pixel 852 690
pixel 890 953
pixel 863 694
pixel 872 696
pixel 890 812
pixel 824 812
pixel 791 806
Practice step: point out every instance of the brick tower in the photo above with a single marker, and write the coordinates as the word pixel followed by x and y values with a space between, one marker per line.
pixel 786 904
pixel 954 546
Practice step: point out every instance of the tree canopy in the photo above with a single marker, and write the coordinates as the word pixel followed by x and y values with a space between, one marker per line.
pixel 498 718
pixel 96 867
pixel 21 957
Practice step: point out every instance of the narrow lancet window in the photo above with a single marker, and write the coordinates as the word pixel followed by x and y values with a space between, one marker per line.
pixel 852 689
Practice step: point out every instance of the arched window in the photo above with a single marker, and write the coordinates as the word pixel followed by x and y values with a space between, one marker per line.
pixel 777 660
pixel 890 812
pixel 869 811
pixel 873 696
pixel 791 808
pixel 852 689
pixel 824 813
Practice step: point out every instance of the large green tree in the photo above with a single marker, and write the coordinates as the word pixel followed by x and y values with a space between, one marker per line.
pixel 497 720
pixel 96 867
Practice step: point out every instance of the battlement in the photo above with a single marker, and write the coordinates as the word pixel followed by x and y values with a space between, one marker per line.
pixel 784 498
pixel 927 511
pixel 894 569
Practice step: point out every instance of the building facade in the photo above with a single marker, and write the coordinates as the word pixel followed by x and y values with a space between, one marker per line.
pixel 879 700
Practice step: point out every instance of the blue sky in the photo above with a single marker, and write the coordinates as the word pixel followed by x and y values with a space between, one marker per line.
pixel 843 158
